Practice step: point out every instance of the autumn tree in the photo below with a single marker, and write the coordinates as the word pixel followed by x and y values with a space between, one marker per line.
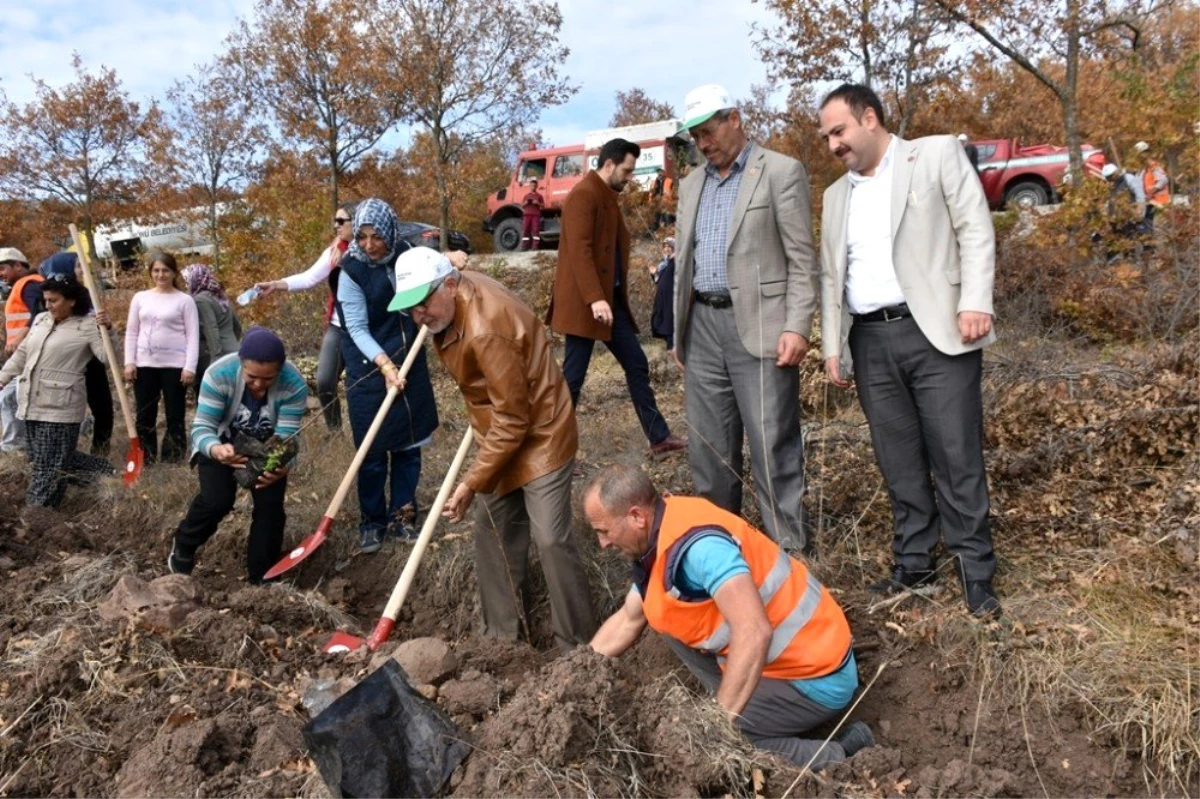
pixel 635 107
pixel 214 143
pixel 1053 40
pixel 900 48
pixel 472 69
pixel 82 145
pixel 318 69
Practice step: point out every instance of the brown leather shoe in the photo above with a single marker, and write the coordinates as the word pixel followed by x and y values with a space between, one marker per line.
pixel 671 443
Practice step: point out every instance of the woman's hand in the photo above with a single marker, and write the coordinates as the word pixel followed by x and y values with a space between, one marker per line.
pixel 187 378
pixel 267 286
pixel 271 478
pixel 130 373
pixel 104 320
pixel 391 375
pixel 226 455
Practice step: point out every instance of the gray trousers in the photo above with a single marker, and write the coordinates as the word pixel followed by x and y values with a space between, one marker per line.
pixel 504 525
pixel 925 411
pixel 730 394
pixel 13 437
pixel 776 715
pixel 329 372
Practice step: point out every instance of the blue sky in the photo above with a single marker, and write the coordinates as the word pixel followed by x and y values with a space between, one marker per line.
pixel 665 48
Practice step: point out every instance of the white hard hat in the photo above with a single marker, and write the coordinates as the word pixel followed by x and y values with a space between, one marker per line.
pixel 1141 147
pixel 962 137
pixel 704 101
pixel 1108 171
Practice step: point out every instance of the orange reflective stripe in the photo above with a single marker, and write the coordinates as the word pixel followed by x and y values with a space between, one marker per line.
pixel 16 313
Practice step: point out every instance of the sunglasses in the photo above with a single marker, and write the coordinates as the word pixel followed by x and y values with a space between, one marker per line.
pixel 432 290
pixel 60 278
pixel 340 220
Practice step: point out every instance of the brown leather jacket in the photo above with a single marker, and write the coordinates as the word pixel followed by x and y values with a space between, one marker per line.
pixel 593 236
pixel 520 408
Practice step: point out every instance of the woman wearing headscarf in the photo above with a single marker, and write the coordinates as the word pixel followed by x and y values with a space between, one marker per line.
pixel 99 395
pixel 220 329
pixel 51 361
pixel 325 270
pixel 374 343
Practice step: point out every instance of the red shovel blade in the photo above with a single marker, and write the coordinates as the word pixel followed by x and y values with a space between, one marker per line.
pixel 302 550
pixel 340 643
pixel 135 456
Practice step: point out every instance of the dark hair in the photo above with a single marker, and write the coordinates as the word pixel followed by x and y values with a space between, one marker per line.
pixel 164 258
pixel 615 150
pixel 70 289
pixel 859 98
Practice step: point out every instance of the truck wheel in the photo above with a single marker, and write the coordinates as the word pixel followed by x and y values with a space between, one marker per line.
pixel 507 236
pixel 1027 194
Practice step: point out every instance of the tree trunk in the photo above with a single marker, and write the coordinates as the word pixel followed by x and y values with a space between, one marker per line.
pixel 212 230
pixel 1070 104
pixel 443 162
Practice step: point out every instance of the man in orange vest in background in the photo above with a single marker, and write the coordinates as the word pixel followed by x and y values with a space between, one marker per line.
pixel 24 302
pixel 751 622
pixel 1155 184
pixel 531 217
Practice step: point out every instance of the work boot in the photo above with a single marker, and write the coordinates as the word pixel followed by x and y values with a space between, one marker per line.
pixel 855 737
pixel 916 581
pixel 369 540
pixel 177 563
pixel 981 598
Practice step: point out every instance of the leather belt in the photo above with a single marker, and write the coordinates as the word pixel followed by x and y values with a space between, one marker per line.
pixel 890 314
pixel 713 299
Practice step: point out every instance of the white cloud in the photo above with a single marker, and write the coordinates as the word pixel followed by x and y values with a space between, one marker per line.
pixel 664 48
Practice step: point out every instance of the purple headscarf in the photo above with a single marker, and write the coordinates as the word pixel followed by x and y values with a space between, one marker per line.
pixel 200 278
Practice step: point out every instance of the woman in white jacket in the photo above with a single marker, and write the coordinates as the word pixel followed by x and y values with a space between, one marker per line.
pixel 325 270
pixel 51 362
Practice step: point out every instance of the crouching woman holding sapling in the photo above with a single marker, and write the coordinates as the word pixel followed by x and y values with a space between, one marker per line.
pixel 51 399
pixel 244 433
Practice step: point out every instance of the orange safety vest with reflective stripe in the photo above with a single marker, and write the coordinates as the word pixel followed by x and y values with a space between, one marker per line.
pixel 810 635
pixel 17 315
pixel 1151 175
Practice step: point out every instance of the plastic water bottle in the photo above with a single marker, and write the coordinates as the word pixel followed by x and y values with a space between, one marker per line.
pixel 249 295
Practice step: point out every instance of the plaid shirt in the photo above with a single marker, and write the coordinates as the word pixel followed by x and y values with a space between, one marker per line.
pixel 713 219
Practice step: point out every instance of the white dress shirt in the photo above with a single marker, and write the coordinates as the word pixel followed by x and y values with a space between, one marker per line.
pixel 871 281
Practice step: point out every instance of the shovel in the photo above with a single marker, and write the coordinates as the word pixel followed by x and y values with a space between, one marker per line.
pixel 135 456
pixel 344 642
pixel 308 545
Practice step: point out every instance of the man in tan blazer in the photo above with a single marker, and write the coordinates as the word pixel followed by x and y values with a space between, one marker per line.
pixel 908 255
pixel 591 293
pixel 745 293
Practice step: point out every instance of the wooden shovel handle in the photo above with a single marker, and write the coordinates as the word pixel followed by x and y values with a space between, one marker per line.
pixel 85 265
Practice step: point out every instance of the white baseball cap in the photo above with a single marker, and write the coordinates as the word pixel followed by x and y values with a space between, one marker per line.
pixel 962 137
pixel 417 271
pixel 1141 147
pixel 704 101
pixel 1109 170
pixel 12 254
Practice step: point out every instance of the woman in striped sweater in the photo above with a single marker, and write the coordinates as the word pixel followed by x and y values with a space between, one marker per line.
pixel 256 393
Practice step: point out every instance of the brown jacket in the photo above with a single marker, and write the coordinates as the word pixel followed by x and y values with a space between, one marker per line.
pixel 593 233
pixel 520 408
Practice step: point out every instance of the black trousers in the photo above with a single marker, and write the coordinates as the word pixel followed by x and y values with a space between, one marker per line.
pixel 218 490
pixel 625 347
pixel 151 384
pixel 925 411
pixel 100 403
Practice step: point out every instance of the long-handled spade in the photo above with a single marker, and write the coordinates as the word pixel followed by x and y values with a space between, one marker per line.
pixel 344 642
pixel 134 456
pixel 308 545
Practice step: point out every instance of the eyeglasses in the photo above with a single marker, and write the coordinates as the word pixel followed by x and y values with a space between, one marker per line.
pixel 437 284
pixel 338 220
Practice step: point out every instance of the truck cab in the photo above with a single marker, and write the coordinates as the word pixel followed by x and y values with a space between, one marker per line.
pixel 1026 176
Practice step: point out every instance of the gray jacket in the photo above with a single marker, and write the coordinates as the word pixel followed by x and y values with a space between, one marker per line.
pixel 51 362
pixel 220 330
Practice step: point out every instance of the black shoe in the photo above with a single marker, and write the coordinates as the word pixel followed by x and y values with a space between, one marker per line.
pixel 856 737
pixel 370 540
pixel 981 598
pixel 177 564
pixel 916 581
pixel 404 524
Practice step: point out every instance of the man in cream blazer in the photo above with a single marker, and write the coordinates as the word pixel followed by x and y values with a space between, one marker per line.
pixel 908 255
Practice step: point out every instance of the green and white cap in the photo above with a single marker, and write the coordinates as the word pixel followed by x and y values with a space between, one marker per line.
pixel 417 269
pixel 704 101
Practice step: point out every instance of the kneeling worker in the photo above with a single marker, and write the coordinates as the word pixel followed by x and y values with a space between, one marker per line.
pixel 749 621
pixel 256 393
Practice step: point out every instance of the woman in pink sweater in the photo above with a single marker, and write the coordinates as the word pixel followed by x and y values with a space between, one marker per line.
pixel 162 344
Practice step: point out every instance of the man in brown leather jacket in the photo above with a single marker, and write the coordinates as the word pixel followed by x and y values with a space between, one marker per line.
pixel 519 406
